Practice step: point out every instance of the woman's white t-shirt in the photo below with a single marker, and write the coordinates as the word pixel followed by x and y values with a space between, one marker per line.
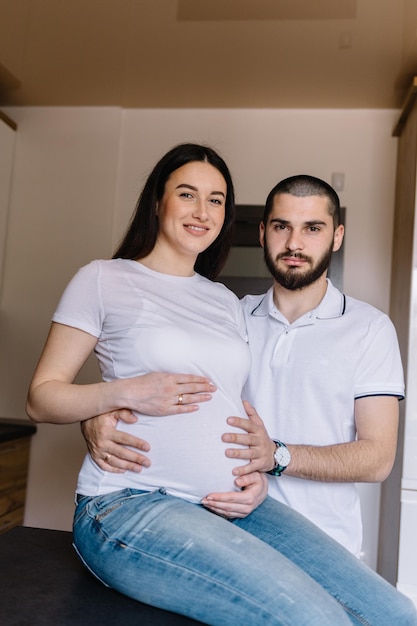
pixel 145 322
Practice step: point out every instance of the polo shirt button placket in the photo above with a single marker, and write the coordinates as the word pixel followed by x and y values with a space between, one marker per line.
pixel 282 348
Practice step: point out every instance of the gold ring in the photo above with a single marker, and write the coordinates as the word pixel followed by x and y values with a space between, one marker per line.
pixel 179 398
pixel 107 457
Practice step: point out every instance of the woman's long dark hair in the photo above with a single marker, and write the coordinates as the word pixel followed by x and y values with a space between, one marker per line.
pixel 142 232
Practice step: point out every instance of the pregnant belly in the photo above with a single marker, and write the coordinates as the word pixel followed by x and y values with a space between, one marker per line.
pixel 187 455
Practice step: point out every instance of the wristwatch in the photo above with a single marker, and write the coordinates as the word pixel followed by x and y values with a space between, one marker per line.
pixel 282 458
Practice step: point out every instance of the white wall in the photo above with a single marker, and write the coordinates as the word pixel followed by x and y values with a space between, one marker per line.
pixel 60 216
pixel 77 175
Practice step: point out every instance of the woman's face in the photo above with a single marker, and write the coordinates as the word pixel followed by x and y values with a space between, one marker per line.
pixel 192 210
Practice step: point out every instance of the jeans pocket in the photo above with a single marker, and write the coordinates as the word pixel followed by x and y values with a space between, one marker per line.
pixel 99 507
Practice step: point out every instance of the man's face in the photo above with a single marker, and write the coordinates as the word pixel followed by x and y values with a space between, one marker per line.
pixel 299 239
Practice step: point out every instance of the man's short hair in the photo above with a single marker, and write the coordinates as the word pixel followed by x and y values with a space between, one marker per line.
pixel 303 185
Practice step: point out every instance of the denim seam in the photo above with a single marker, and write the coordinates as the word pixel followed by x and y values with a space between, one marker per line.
pixel 354 614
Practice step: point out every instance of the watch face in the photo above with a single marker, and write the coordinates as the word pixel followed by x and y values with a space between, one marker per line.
pixel 282 456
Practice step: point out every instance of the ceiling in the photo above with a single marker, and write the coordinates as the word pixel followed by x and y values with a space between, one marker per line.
pixel 207 53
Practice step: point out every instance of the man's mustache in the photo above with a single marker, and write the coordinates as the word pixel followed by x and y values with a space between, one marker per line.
pixel 293 255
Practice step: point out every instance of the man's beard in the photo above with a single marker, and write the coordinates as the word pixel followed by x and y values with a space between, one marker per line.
pixel 293 277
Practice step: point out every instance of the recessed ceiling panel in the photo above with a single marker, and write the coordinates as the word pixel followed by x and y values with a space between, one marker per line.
pixel 220 54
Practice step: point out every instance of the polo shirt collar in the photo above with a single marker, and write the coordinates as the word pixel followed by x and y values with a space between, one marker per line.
pixel 332 305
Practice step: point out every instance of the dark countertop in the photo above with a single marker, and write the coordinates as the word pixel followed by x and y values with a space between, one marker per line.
pixel 43 583
pixel 11 429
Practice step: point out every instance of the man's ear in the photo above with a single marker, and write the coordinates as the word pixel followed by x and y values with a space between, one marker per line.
pixel 262 234
pixel 338 237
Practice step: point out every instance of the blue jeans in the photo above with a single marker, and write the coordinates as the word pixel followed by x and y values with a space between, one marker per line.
pixel 272 568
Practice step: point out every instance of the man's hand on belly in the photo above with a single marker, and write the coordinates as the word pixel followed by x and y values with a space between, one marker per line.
pixel 259 448
pixel 254 489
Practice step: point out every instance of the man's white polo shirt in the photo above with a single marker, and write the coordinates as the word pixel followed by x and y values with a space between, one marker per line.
pixel 303 382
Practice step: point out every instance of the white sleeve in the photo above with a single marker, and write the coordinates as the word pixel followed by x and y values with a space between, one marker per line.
pixel 81 303
pixel 380 370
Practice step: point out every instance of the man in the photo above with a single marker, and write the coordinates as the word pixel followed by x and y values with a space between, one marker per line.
pixel 326 372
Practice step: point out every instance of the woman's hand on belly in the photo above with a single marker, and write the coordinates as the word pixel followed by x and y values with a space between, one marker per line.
pixel 254 489
pixel 161 393
pixel 259 448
